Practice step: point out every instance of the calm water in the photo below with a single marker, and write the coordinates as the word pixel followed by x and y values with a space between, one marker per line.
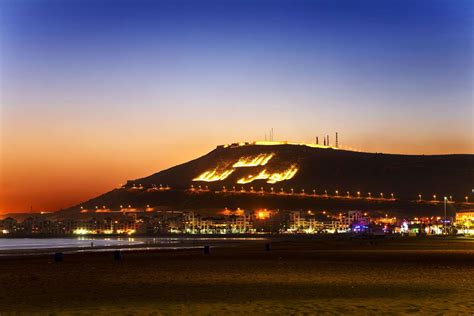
pixel 31 244
pixel 48 243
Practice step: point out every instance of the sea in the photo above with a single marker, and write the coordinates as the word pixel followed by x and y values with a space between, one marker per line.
pixel 24 246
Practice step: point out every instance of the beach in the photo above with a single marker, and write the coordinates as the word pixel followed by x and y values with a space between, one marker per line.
pixel 297 276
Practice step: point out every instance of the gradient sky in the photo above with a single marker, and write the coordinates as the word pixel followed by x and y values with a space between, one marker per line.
pixel 97 92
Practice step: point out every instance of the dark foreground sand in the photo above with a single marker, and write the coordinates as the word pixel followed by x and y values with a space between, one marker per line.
pixel 296 277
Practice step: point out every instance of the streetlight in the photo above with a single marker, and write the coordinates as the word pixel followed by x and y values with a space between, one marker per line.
pixel 337 193
pixel 419 196
pixel 370 195
pixel 466 198
pixel 358 194
pixel 348 195
pixel 445 200
pixel 391 195
pixel 434 197
pixel 381 195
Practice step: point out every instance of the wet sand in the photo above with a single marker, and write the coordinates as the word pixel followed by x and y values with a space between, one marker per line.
pixel 409 276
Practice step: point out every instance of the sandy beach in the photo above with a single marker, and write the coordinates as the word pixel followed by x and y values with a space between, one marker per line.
pixel 404 276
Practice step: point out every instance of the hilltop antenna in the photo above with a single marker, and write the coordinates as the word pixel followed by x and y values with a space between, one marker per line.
pixel 317 140
pixel 337 141
pixel 328 141
pixel 324 141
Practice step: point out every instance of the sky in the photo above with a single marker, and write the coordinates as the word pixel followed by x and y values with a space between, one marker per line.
pixel 93 93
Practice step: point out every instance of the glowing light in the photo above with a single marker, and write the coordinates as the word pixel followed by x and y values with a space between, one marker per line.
pixel 285 175
pixel 263 175
pixel 271 178
pixel 272 143
pixel 214 175
pixel 259 160
pixel 263 214
pixel 81 231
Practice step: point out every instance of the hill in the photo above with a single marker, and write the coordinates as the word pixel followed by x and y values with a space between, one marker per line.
pixel 266 169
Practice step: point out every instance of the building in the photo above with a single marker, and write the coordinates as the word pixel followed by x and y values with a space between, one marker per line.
pixel 356 221
pixel 310 223
pixel 464 222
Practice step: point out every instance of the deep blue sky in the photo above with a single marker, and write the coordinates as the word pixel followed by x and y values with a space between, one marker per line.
pixel 174 78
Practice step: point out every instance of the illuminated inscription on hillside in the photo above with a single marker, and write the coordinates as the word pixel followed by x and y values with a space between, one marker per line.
pixel 263 175
pixel 214 175
pixel 260 160
pixel 254 161
pixel 285 175
pixel 271 177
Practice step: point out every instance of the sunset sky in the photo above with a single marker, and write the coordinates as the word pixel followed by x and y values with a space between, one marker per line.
pixel 93 93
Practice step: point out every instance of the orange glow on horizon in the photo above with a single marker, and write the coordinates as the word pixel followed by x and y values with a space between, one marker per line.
pixel 57 167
